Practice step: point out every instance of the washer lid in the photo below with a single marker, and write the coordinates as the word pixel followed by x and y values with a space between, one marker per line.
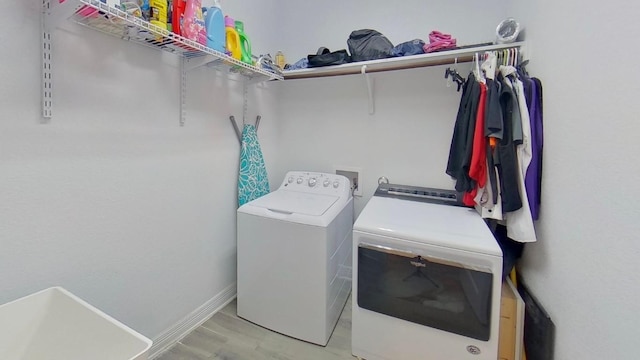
pixel 293 202
pixel 441 225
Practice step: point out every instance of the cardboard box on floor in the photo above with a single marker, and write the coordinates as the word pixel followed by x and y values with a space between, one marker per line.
pixel 511 323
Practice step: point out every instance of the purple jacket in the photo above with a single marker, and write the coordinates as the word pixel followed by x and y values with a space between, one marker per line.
pixel 533 178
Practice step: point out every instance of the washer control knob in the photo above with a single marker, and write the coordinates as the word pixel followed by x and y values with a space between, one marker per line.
pixel 336 183
pixel 299 181
pixel 312 182
pixel 290 179
pixel 326 182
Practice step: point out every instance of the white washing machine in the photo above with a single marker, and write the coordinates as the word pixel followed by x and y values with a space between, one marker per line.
pixel 294 256
pixel 427 277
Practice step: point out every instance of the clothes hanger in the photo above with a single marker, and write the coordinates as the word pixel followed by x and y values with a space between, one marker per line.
pixel 474 71
pixel 479 75
pixel 489 65
pixel 454 75
pixel 449 73
pixel 522 68
pixel 457 77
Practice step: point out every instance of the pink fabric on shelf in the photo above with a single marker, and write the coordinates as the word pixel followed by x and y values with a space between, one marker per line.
pixel 439 41
pixel 85 11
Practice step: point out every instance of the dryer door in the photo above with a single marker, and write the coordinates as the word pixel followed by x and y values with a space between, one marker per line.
pixel 423 287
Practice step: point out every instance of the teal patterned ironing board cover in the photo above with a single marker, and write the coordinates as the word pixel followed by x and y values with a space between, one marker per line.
pixel 252 180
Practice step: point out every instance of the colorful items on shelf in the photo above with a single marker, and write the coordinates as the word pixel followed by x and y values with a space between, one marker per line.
pixel 132 7
pixel 233 38
pixel 145 9
pixel 158 13
pixel 177 12
pixel 193 26
pixel 216 33
pixel 187 18
pixel 170 15
pixel 280 61
pixel 245 44
pixel 86 11
pixel 439 41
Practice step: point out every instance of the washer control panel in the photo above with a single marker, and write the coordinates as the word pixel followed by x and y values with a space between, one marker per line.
pixel 317 183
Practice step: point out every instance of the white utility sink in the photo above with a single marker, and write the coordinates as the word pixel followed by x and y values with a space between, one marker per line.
pixel 54 324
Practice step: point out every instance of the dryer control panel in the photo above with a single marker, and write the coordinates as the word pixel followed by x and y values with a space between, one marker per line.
pixel 317 183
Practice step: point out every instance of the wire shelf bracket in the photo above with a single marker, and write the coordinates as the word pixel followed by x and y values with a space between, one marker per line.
pixel 369 83
pixel 47 87
pixel 183 91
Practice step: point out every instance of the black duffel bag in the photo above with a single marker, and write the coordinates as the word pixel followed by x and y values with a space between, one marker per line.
pixel 324 57
pixel 369 44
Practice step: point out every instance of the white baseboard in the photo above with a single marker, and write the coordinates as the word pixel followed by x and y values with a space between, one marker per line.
pixel 183 327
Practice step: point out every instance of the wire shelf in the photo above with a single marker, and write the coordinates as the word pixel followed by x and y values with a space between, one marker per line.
pixel 101 17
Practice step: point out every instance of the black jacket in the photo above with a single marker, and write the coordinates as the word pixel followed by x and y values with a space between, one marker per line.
pixel 462 140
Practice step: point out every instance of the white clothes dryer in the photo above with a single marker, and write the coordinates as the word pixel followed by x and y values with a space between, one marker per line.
pixel 294 256
pixel 427 278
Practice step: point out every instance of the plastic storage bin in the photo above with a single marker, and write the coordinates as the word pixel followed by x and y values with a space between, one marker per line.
pixel 54 324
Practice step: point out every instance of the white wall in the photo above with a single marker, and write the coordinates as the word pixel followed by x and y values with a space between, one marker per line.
pixel 112 199
pixel 584 268
pixel 325 122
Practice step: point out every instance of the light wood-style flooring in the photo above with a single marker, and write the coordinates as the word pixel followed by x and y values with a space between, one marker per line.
pixel 225 336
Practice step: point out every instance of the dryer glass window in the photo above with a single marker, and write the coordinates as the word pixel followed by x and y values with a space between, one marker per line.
pixel 432 292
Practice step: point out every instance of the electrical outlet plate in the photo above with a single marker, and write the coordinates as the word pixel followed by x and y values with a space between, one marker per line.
pixel 354 175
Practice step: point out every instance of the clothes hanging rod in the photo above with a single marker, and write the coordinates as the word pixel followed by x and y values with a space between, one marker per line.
pixel 399 63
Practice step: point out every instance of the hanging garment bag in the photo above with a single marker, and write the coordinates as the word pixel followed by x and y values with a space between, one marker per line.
pixel 252 179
